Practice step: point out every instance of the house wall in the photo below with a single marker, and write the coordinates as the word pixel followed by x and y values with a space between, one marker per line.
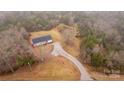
pixel 37 44
pixel 50 41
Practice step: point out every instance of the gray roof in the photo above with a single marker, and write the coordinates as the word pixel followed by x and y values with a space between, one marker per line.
pixel 41 39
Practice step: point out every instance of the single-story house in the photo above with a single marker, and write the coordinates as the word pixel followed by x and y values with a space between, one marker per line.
pixel 42 40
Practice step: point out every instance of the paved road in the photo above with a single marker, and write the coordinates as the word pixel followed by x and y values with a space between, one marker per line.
pixel 58 50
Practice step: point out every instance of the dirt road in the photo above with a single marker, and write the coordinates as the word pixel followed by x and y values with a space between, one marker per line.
pixel 58 50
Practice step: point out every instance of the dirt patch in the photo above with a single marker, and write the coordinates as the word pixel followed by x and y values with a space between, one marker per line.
pixel 54 68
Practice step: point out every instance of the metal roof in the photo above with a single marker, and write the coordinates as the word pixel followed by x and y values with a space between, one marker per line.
pixel 41 39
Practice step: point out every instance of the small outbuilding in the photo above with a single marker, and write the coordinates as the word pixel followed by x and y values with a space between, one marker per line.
pixel 42 40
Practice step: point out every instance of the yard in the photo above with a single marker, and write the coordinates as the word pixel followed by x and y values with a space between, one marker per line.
pixel 54 68
pixel 47 49
pixel 57 36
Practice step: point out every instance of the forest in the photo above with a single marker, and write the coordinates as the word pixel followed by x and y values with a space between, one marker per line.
pixel 101 35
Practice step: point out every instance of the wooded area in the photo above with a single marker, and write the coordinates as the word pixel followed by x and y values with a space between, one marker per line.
pixel 101 35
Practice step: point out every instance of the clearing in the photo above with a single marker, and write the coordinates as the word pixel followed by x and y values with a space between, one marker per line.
pixel 57 36
pixel 54 68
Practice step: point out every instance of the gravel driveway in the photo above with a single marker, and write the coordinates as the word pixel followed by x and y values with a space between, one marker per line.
pixel 58 50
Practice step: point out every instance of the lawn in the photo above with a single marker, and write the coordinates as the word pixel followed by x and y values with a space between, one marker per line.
pixel 54 68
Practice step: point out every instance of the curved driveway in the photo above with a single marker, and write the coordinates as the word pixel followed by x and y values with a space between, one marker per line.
pixel 58 50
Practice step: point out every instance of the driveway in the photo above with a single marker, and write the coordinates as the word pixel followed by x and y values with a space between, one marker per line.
pixel 58 50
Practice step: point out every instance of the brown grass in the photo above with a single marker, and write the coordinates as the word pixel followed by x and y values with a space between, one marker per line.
pixel 47 50
pixel 55 34
pixel 74 49
pixel 55 68
pixel 101 76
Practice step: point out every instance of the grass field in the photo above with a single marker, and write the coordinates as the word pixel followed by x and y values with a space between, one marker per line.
pixel 54 68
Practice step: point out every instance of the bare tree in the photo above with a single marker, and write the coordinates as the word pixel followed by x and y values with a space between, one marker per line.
pixel 12 45
pixel 24 33
pixel 68 36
